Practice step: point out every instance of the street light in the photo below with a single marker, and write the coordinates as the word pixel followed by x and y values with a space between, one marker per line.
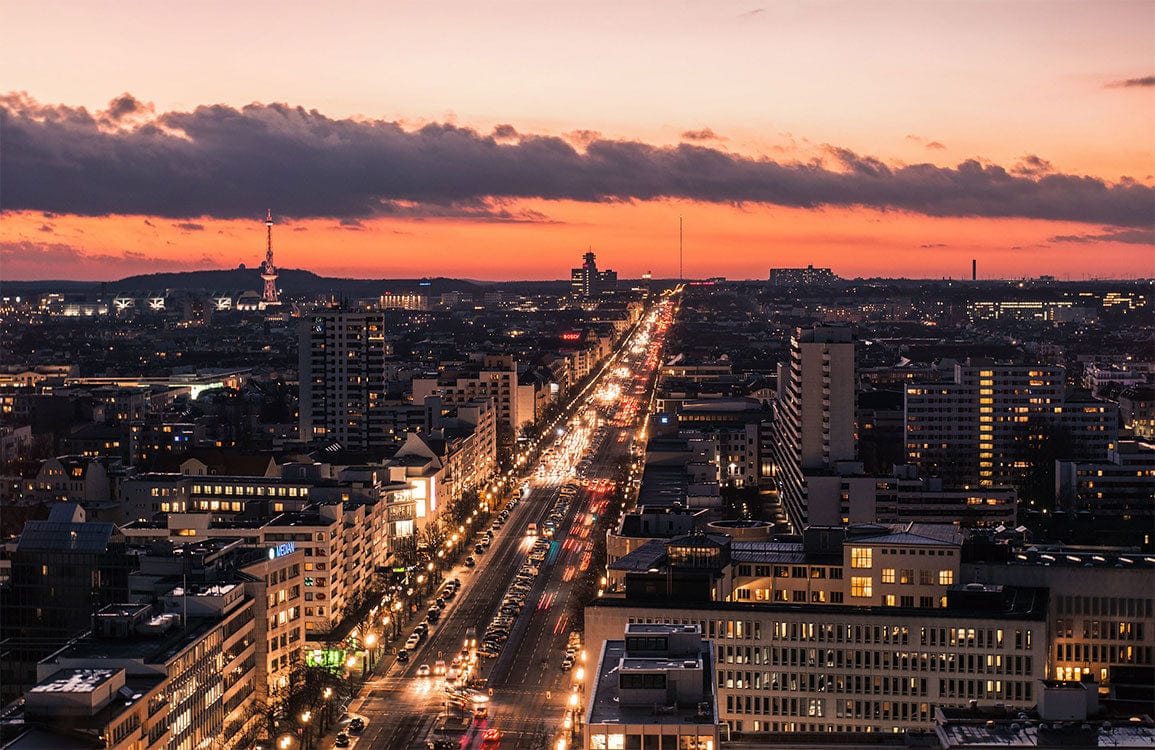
pixel 370 643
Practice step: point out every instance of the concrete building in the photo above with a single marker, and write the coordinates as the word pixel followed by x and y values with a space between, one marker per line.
pixel 587 281
pixel 492 376
pixel 977 429
pixel 342 376
pixel 808 276
pixel 1101 608
pixel 1123 486
pixel 654 689
pixel 201 648
pixel 815 411
pixel 784 668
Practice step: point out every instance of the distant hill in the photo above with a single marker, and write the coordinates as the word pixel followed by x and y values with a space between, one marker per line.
pixel 290 281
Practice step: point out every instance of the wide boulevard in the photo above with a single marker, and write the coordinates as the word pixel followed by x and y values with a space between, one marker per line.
pixel 527 698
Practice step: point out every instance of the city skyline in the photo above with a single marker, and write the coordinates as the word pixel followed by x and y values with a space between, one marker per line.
pixel 879 139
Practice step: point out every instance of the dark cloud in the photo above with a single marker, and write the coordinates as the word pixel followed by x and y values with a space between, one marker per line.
pixel 46 228
pixel 218 161
pixel 190 226
pixel 931 245
pixel 1032 166
pixel 1132 83
pixel 935 145
pixel 124 105
pixel 705 134
pixel 1128 236
pixel 505 132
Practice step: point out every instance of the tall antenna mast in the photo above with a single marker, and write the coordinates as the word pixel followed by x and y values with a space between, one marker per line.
pixel 680 274
pixel 270 295
pixel 269 238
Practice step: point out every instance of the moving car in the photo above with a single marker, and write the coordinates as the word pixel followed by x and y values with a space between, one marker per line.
pixel 423 670
pixel 492 735
pixel 342 740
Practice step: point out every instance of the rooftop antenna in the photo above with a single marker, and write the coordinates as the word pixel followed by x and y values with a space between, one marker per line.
pixel 680 274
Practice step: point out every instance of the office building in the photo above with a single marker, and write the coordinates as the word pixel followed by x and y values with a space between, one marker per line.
pixel 587 281
pixel 342 375
pixel 654 689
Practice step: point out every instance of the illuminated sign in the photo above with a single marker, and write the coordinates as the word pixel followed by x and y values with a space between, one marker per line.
pixel 571 336
pixel 281 550
pixel 330 659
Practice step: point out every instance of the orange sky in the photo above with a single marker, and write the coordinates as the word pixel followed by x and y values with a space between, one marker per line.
pixel 735 242
pixel 1066 85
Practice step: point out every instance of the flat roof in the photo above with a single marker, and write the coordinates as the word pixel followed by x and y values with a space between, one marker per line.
pixel 75 681
pixel 605 708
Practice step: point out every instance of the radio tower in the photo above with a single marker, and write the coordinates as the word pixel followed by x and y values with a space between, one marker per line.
pixel 270 296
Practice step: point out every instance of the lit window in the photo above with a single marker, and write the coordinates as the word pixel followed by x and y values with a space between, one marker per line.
pixel 945 577
pixel 860 557
pixel 861 586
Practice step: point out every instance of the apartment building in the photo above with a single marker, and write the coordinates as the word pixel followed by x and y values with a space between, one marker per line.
pixel 1122 486
pixel 977 429
pixel 815 415
pixel 343 395
pixel 493 376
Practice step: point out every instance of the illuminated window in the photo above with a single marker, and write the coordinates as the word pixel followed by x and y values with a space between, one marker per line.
pixel 861 586
pixel 860 557
pixel 945 577
pixel 888 575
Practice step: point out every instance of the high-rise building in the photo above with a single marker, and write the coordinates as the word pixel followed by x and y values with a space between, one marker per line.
pixel 809 276
pixel 980 427
pixel 342 374
pixel 588 281
pixel 815 427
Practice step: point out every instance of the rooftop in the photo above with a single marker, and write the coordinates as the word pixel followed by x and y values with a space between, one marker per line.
pixel 605 707
pixel 75 681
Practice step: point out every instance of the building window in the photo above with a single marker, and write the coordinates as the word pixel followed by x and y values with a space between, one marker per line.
pixel 860 557
pixel 888 575
pixel 945 577
pixel 861 586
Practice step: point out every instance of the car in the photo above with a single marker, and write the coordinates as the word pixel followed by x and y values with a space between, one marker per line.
pixel 478 549
pixel 470 562
pixel 356 724
pixel 492 735
pixel 402 655
pixel 441 744
pixel 342 740
pixel 439 602
pixel 439 667
pixel 423 670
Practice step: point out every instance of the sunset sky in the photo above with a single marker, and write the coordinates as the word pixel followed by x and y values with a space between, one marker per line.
pixel 500 140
